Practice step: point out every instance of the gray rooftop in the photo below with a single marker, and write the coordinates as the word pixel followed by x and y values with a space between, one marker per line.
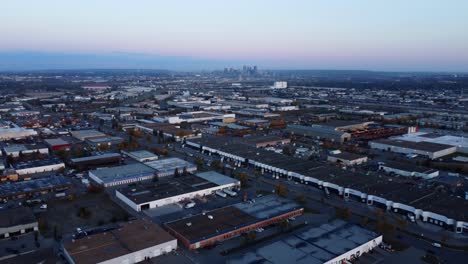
pixel 313 245
pixel 142 154
pixel 34 185
pixel 96 157
pixel 267 206
pixel 121 172
pixel 87 133
pixel 169 164
pixel 216 178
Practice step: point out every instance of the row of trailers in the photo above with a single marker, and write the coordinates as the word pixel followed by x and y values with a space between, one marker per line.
pixel 347 193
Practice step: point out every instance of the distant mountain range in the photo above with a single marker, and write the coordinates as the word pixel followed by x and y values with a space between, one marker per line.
pixel 24 61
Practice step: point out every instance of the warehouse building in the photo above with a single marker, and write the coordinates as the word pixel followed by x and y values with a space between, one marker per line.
pixel 141 155
pixel 133 242
pixel 388 193
pixel 456 141
pixel 205 229
pixel 87 134
pixel 16 150
pixel 119 175
pixel 174 190
pixel 32 187
pixel 319 132
pixel 56 144
pixel 346 158
pixel 168 131
pixel 16 132
pixel 423 148
pixel 104 141
pixel 167 167
pixel 38 166
pixel 261 141
pixel 96 160
pixel 331 243
pixel 408 170
pixel 17 221
pixel 201 116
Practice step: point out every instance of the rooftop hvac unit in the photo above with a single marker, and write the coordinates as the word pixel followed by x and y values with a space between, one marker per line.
pixel 189 224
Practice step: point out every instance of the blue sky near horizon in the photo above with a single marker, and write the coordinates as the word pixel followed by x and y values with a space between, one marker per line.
pixel 430 35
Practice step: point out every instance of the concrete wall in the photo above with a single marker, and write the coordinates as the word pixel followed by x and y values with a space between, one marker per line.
pixel 136 256
pixel 235 233
pixel 6 231
pixel 356 252
pixel 174 199
pixel 33 170
pixel 403 150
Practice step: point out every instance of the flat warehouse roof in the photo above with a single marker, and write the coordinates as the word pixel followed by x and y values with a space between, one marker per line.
pixel 407 167
pixel 424 146
pixel 169 164
pixel 347 156
pixel 142 154
pixel 313 245
pixel 96 157
pixel 144 193
pixel 87 133
pixel 16 216
pixel 56 141
pixel 201 227
pixel 268 206
pixel 120 172
pixel 7 189
pixel 216 178
pixel 230 218
pixel 243 149
pixel 131 237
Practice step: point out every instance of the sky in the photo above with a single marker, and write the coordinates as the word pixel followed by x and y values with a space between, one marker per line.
pixel 387 35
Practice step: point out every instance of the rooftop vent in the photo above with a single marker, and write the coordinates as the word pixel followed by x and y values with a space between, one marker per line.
pixel 210 217
pixel 189 224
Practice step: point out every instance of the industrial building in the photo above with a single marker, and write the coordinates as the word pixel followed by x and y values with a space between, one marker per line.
pixel 16 150
pixel 167 167
pixel 17 221
pixel 35 186
pixel 346 158
pixel 38 166
pixel 262 141
pixel 57 144
pixel 16 132
pixel 427 149
pixel 331 243
pixel 86 134
pixel 319 132
pixel 205 229
pixel 96 160
pixel 104 141
pixel 386 192
pixel 169 131
pixel 201 116
pixel 457 141
pixel 173 190
pixel 133 242
pixel 125 174
pixel 408 170
pixel 141 155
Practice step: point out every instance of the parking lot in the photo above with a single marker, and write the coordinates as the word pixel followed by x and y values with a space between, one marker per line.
pixel 88 210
